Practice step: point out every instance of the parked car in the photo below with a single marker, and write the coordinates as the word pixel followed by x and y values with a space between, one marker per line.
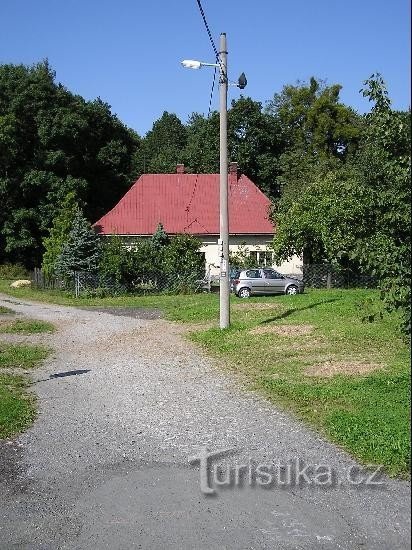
pixel 264 280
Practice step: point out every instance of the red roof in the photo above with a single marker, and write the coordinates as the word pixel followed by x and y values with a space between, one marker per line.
pixel 187 203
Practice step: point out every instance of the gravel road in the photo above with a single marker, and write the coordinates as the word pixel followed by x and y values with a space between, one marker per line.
pixel 124 403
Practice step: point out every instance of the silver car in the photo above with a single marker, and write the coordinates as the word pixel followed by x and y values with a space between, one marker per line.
pixel 265 280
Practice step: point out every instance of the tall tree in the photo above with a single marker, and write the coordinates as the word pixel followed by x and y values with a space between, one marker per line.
pixel 51 143
pixel 360 212
pixel 318 132
pixel 162 147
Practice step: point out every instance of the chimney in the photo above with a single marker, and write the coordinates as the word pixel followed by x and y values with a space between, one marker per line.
pixel 180 169
pixel 233 173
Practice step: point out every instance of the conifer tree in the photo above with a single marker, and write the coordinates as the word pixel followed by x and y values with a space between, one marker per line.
pixel 81 251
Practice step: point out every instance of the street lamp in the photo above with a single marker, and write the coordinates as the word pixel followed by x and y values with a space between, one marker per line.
pixel 224 212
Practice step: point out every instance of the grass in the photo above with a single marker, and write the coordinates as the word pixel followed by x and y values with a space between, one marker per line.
pixel 21 356
pixel 368 415
pixel 5 311
pixel 25 326
pixel 17 407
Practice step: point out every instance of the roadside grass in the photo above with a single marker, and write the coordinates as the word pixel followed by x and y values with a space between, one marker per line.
pixel 5 311
pixel 25 326
pixel 17 406
pixel 278 343
pixel 21 356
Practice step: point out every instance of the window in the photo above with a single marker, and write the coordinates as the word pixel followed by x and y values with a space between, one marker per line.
pixel 262 258
pixel 253 274
pixel 271 274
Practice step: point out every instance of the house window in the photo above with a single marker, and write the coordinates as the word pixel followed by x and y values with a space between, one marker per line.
pixel 261 258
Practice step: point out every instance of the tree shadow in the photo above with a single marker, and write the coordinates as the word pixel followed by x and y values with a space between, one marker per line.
pixel 290 312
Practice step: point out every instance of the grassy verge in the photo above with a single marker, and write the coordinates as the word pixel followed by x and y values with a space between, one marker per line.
pixel 25 326
pixel 21 356
pixel 311 353
pixel 17 406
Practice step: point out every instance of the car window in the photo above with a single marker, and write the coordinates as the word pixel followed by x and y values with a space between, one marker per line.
pixel 253 274
pixel 271 274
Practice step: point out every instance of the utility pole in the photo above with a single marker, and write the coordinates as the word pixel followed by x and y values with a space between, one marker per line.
pixel 224 207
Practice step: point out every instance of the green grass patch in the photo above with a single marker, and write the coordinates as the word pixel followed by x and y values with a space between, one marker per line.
pixel 21 356
pixel 5 311
pixel 26 326
pixel 368 415
pixel 17 407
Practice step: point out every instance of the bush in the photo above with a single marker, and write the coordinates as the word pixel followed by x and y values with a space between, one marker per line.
pixel 152 265
pixel 13 271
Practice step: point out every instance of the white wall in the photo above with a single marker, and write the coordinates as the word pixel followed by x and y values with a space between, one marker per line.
pixel 254 243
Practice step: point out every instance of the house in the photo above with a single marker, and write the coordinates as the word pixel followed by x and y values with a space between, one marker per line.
pixel 189 203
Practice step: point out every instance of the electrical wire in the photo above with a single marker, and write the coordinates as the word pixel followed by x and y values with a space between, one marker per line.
pixel 202 13
pixel 211 93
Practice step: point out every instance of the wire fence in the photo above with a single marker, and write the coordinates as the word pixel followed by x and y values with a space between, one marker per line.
pixel 82 283
pixel 328 276
pixel 92 284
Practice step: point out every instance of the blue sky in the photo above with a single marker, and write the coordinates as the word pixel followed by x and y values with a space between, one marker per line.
pixel 128 51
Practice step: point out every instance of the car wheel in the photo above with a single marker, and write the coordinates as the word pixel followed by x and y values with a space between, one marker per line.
pixel 292 290
pixel 244 293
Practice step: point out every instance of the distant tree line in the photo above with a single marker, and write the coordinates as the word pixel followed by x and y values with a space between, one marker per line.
pixel 339 181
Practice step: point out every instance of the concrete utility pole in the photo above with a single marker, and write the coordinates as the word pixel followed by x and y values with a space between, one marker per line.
pixel 224 207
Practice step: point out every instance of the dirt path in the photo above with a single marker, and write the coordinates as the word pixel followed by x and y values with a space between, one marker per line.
pixel 124 402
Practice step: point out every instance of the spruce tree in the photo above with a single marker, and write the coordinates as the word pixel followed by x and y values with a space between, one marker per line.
pixel 81 251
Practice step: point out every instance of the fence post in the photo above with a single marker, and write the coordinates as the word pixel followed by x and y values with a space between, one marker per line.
pixel 329 280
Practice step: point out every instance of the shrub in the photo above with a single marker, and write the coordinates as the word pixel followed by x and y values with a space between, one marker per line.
pixel 13 271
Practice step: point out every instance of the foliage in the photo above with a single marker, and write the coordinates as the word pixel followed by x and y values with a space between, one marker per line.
pixel 13 271
pixel 160 238
pixel 359 213
pixel 159 263
pixel 241 258
pixel 52 143
pixel 319 134
pixel 59 234
pixel 162 147
pixel 81 251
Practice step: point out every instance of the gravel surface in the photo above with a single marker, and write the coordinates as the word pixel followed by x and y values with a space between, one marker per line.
pixel 124 402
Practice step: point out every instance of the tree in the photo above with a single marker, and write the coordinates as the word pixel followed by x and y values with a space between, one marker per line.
pixel 318 132
pixel 59 234
pixel 81 251
pixel 53 142
pixel 255 143
pixel 162 147
pixel 160 238
pixel 360 213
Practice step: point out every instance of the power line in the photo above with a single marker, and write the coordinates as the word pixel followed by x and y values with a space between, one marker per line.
pixel 202 13
pixel 211 93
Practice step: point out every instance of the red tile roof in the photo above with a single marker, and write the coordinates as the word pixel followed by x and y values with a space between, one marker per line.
pixel 187 203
